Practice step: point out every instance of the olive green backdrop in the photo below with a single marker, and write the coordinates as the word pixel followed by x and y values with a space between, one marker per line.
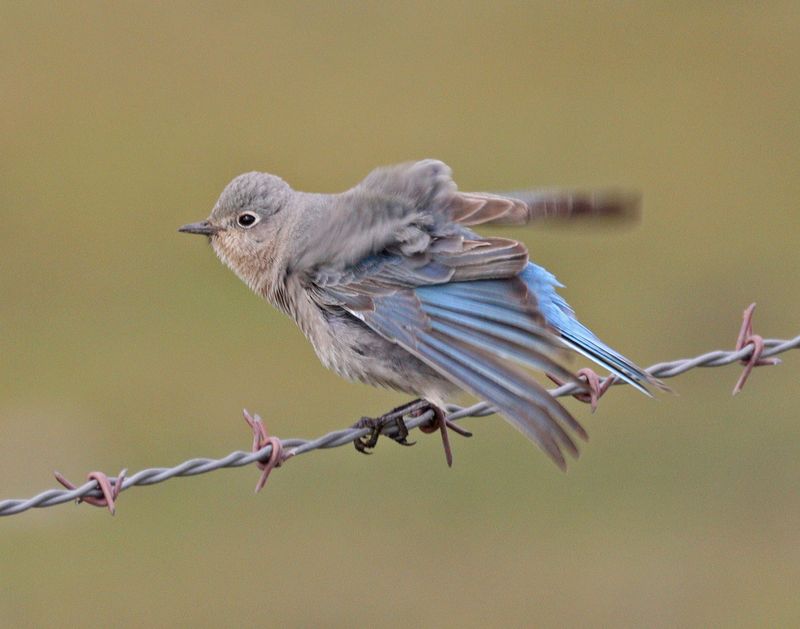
pixel 125 344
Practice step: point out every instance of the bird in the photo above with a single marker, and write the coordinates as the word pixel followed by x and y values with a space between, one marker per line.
pixel 393 288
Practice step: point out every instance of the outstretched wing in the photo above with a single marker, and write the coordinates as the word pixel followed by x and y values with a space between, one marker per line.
pixel 467 330
pixel 408 204
pixel 401 206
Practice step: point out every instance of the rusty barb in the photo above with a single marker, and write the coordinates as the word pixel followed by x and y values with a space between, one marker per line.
pixel 108 488
pixel 746 337
pixel 262 439
pixel 269 452
pixel 596 386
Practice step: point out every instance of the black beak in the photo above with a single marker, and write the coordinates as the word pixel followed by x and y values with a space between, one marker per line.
pixel 203 227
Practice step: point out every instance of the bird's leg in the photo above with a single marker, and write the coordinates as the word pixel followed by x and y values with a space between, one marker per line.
pixel 392 418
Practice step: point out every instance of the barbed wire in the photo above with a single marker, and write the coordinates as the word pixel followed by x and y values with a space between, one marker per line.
pixel 269 452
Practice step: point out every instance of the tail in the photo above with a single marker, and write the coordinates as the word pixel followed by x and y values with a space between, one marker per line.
pixel 578 337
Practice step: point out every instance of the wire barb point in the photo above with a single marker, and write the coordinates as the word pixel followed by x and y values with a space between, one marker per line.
pixel 262 439
pixel 595 386
pixel 109 488
pixel 441 423
pixel 746 337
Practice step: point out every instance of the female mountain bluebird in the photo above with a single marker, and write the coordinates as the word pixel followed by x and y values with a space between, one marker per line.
pixel 393 288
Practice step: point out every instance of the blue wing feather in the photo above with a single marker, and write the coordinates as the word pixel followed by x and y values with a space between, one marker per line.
pixel 560 315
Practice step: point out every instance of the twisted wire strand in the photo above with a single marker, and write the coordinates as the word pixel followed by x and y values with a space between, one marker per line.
pixel 339 438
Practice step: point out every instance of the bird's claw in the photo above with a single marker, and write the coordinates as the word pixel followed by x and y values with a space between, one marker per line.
pixel 376 425
pixel 394 419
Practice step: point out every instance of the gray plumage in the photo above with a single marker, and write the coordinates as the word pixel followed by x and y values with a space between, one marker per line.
pixel 392 287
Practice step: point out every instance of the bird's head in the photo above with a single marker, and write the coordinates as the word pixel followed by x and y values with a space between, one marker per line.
pixel 243 225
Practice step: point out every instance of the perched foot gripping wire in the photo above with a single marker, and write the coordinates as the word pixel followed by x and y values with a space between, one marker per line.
pixel 394 419
pixel 100 490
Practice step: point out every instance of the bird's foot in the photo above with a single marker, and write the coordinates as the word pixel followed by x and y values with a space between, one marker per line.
pixel 393 419
pixel 399 433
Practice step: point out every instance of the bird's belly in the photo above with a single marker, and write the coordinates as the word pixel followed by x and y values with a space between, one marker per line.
pixel 355 352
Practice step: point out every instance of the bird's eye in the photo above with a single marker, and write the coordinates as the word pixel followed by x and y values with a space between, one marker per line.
pixel 246 219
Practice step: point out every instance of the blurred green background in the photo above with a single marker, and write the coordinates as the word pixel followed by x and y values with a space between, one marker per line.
pixel 124 343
